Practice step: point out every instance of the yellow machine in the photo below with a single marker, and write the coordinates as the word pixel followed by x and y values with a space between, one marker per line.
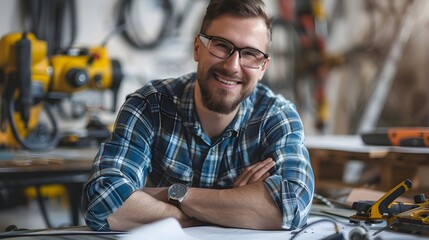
pixel 414 221
pixel 399 216
pixel 384 208
pixel 30 81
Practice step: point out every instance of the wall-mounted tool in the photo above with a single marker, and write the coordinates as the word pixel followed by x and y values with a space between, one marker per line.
pixel 300 58
pixel 30 81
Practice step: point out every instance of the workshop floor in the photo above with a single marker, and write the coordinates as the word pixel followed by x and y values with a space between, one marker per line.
pixel 29 216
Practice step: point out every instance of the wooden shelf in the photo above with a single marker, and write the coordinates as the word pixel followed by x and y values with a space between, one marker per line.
pixel 387 165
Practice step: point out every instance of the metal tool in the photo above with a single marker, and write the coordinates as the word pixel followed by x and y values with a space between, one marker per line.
pixel 414 221
pixel 406 137
pixel 384 208
pixel 409 217
pixel 30 81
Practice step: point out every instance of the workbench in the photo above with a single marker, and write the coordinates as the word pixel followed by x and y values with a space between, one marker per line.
pixel 72 166
pixel 321 225
pixel 330 154
pixel 66 166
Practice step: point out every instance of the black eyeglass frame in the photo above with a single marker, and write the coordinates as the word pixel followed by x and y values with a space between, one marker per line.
pixel 235 48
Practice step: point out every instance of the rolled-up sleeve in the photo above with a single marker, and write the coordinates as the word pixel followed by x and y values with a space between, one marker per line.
pixel 292 186
pixel 120 167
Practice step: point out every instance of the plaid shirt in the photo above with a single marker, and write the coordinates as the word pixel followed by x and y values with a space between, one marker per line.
pixel 158 140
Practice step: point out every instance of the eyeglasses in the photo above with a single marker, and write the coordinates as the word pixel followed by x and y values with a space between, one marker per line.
pixel 223 49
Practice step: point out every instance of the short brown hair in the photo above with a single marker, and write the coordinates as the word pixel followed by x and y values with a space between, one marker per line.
pixel 240 8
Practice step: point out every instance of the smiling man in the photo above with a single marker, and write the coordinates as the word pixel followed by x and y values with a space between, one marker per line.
pixel 211 147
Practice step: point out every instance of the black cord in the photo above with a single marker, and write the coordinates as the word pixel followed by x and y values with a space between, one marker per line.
pixel 39 139
pixel 64 9
pixel 51 21
pixel 33 233
pixel 35 142
pixel 118 30
pixel 132 33
pixel 314 223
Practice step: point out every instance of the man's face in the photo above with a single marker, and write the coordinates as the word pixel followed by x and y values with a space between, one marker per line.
pixel 224 83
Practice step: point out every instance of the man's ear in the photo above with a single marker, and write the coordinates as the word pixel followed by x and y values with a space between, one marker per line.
pixel 264 68
pixel 197 46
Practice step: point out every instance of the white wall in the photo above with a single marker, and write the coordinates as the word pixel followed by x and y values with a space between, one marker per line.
pixel 170 58
pixel 96 19
pixel 174 56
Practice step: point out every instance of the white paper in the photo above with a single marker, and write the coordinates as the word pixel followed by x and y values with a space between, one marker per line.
pixel 165 229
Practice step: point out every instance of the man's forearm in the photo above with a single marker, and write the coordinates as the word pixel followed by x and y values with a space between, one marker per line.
pixel 250 206
pixel 141 208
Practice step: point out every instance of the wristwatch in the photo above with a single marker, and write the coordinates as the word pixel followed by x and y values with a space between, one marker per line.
pixel 177 193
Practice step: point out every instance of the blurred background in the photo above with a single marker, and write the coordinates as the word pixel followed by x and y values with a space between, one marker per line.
pixel 349 66
pixel 328 56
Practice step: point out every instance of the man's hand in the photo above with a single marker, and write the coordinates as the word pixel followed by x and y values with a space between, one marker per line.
pixel 131 215
pixel 160 194
pixel 256 172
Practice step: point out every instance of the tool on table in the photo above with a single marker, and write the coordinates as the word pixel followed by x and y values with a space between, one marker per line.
pixel 30 81
pixel 414 221
pixel 410 217
pixel 406 137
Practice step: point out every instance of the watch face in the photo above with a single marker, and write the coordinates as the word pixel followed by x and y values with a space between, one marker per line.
pixel 177 191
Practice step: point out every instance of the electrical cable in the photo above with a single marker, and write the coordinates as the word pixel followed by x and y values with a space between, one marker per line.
pixel 323 200
pixel 337 231
pixel 51 20
pixel 128 20
pixel 119 29
pixel 40 140
pixel 16 233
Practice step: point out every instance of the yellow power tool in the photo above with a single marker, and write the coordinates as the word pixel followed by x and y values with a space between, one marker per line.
pixel 414 221
pixel 399 216
pixel 30 81
pixel 384 208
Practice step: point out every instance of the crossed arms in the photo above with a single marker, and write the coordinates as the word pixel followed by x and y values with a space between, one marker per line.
pixel 115 197
pixel 247 205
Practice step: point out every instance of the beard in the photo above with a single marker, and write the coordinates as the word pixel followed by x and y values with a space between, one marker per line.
pixel 217 100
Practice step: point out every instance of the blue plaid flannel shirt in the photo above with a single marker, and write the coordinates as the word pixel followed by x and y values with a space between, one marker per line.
pixel 158 140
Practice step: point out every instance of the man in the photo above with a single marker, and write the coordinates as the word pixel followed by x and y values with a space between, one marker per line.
pixel 215 147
